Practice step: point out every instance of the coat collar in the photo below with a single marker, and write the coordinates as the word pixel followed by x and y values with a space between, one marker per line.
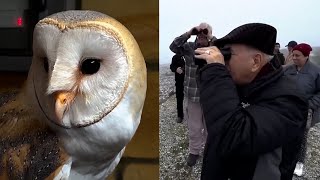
pixel 292 69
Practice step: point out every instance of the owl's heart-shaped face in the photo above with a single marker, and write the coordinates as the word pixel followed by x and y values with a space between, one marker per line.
pixel 79 74
pixel 80 71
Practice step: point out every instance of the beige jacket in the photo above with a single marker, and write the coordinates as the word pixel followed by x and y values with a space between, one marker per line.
pixel 288 59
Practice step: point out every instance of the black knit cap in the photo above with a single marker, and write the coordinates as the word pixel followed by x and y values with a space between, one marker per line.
pixel 257 35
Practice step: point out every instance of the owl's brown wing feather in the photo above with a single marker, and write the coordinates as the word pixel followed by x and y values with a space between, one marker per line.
pixel 28 148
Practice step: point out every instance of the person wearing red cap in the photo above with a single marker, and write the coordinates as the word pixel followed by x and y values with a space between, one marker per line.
pixel 307 76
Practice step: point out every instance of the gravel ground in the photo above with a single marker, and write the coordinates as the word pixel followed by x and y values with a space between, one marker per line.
pixel 166 88
pixel 173 136
pixel 174 146
pixel 313 154
pixel 174 142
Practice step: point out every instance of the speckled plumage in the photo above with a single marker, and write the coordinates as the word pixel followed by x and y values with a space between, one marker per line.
pixel 28 148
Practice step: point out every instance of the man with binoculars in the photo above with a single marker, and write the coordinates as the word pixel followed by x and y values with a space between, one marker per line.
pixel 254 114
pixel 194 116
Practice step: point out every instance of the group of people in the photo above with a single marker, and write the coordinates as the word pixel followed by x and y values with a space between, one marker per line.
pixel 249 105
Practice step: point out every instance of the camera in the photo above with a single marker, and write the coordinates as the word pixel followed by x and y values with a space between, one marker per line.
pixel 196 31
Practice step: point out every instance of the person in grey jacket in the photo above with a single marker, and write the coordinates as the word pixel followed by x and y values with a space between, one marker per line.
pixel 307 76
pixel 194 114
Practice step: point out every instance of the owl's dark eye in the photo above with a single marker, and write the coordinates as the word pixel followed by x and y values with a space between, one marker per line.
pixel 45 64
pixel 90 66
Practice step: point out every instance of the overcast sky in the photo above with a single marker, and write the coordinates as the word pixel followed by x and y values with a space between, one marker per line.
pixel 294 19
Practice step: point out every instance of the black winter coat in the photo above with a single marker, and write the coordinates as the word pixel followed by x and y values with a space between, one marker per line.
pixel 177 61
pixel 248 126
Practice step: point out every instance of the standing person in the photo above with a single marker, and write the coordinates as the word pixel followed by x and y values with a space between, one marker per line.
pixel 290 46
pixel 307 75
pixel 251 109
pixel 177 66
pixel 194 114
pixel 278 54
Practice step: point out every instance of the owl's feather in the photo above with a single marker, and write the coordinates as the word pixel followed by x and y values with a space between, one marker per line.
pixel 28 148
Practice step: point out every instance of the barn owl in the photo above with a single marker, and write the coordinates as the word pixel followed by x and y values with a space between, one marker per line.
pixel 87 83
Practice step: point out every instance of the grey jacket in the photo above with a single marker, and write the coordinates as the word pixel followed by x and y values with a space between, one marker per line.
pixel 308 78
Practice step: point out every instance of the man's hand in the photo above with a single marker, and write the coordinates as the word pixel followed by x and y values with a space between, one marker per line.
pixel 211 54
pixel 179 70
pixel 202 26
pixel 191 31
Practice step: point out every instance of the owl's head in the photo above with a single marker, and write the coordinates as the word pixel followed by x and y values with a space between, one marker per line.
pixel 85 64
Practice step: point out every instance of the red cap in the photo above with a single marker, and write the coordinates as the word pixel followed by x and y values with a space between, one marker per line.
pixel 304 48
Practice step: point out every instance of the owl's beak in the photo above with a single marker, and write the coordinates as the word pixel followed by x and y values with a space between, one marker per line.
pixel 62 101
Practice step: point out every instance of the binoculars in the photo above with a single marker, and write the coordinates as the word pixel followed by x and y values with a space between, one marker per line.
pixel 196 31
pixel 226 52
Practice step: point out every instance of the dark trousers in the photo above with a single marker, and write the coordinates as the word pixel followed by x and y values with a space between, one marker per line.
pixel 303 149
pixel 179 96
pixel 294 152
pixel 290 156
